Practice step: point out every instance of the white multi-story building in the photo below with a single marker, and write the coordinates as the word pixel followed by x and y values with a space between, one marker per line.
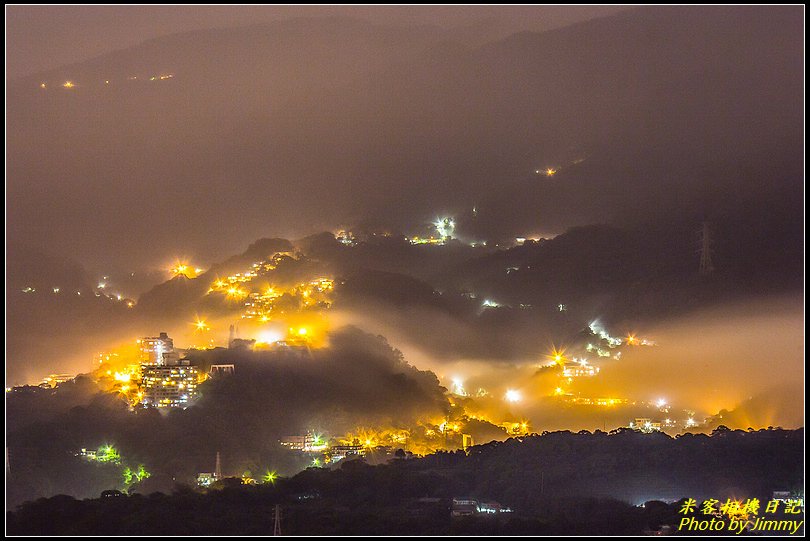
pixel 308 443
pixel 158 350
pixel 169 386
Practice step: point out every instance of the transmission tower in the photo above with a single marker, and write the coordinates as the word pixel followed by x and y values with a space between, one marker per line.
pixel 218 468
pixel 277 521
pixel 706 265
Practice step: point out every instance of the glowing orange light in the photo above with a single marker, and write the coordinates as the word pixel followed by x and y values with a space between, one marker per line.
pixel 185 269
pixel 68 84
pixel 558 355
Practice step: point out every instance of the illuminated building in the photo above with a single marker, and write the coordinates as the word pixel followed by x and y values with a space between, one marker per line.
pixel 206 479
pixel 346 238
pixel 158 350
pixel 170 386
pixel 428 240
pixel 53 380
pixel 492 507
pixel 645 425
pixel 464 507
pixel 88 454
pixel 222 370
pixel 339 452
pixel 579 369
pixel 105 453
pixel 309 443
pixel 439 233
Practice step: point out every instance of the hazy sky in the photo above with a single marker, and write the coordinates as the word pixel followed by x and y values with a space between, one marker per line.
pixel 44 37
pixel 301 125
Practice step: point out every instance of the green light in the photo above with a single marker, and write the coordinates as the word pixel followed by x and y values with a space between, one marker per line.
pixel 127 476
pixel 108 453
pixel 142 474
pixel 270 477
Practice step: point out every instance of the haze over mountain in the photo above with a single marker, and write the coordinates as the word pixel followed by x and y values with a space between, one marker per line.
pixel 41 39
pixel 194 145
pixel 293 127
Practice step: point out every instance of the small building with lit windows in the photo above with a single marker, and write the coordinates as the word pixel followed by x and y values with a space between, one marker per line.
pixel 341 451
pixel 645 425
pixel 206 479
pixel 579 369
pixel 307 443
pixel 158 350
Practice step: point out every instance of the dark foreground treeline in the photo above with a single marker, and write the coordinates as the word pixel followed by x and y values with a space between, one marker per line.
pixel 558 483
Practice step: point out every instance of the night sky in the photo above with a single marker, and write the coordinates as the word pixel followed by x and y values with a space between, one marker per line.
pixel 289 128
pixel 45 38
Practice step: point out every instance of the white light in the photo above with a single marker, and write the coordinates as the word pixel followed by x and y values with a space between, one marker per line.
pixel 445 227
pixel 269 336
pixel 512 395
pixel 661 403
pixel 458 387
